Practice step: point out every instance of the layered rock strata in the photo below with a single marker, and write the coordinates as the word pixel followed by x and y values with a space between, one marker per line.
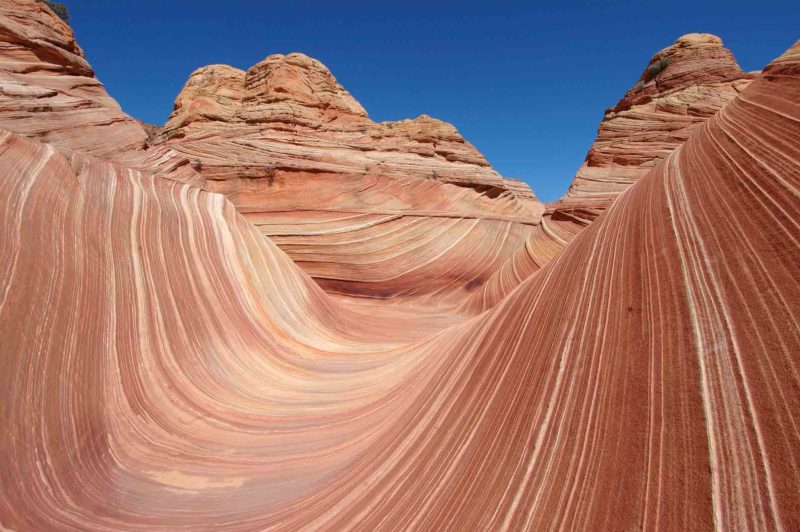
pixel 164 365
pixel 182 373
pixel 289 146
pixel 681 88
pixel 386 210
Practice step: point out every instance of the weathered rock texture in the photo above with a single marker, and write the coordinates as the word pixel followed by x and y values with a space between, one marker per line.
pixel 164 366
pixel 393 209
pixel 289 111
pixel 377 210
pixel 681 88
pixel 48 91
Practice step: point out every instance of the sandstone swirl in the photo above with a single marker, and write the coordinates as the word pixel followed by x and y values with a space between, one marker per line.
pixel 682 87
pixel 165 366
pixel 389 210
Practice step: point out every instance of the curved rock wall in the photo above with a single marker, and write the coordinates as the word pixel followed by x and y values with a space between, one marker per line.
pixel 164 365
pixel 379 210
pixel 681 88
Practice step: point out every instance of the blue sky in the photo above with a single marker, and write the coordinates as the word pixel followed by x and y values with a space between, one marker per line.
pixel 525 82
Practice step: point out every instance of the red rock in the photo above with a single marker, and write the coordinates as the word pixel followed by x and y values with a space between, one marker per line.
pixel 48 89
pixel 285 135
pixel 294 110
pixel 300 158
pixel 657 115
pixel 163 365
pixel 681 88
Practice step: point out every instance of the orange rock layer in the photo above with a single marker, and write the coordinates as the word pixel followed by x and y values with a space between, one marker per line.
pixel 682 87
pixel 165 365
pixel 379 210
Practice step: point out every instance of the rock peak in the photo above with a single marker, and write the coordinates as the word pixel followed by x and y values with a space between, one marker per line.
pixel 681 88
pixel 693 39
pixel 372 311
pixel 212 93
pixel 300 79
pixel 693 59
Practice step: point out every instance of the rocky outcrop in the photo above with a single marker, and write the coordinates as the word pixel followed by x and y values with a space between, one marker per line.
pixel 289 146
pixel 165 366
pixel 211 94
pixel 681 88
pixel 48 90
pixel 293 107
pixel 387 210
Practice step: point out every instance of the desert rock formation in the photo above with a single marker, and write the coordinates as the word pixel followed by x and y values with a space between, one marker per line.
pixel 681 88
pixel 293 108
pixel 388 210
pixel 49 91
pixel 164 365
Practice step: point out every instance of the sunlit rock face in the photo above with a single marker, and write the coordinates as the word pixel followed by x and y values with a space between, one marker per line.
pixel 293 101
pixel 48 90
pixel 380 210
pixel 164 365
pixel 681 88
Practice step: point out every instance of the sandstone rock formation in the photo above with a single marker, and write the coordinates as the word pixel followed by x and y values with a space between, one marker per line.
pixel 293 108
pixel 393 209
pixel 165 366
pixel 48 90
pixel 272 138
pixel 681 88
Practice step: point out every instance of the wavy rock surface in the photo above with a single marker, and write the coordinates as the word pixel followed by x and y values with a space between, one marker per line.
pixel 681 88
pixel 382 210
pixel 48 90
pixel 164 366
pixel 348 198
pixel 182 372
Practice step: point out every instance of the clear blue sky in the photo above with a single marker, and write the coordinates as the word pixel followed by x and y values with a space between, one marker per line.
pixel 525 82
